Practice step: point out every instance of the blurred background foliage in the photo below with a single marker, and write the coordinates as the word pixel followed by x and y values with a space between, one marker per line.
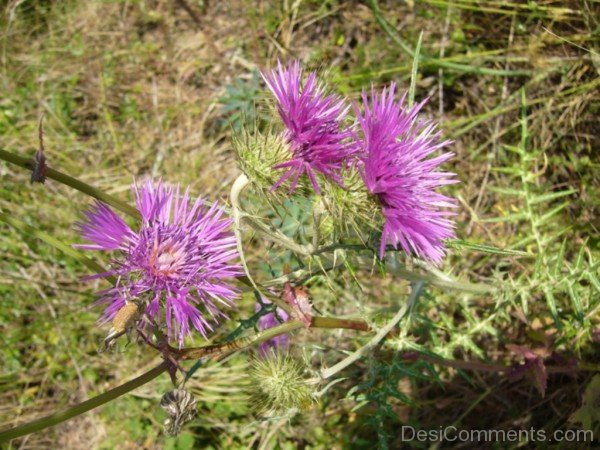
pixel 136 88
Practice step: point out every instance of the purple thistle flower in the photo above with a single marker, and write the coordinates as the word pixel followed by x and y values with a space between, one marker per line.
pixel 312 120
pixel 394 151
pixel 269 321
pixel 177 262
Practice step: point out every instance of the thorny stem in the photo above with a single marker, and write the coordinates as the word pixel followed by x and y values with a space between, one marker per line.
pixel 219 350
pixel 72 182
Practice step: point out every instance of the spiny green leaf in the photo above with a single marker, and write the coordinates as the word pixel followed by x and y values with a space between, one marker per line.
pixel 508 218
pixel 559 259
pixel 551 301
pixel 551 196
pixel 507 191
pixel 576 301
pixel 550 214
pixel 486 248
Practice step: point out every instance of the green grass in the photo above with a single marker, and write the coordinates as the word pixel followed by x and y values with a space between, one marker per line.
pixel 130 89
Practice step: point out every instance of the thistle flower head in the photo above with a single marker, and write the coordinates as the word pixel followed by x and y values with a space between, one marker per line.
pixel 270 320
pixel 312 120
pixel 177 261
pixel 394 150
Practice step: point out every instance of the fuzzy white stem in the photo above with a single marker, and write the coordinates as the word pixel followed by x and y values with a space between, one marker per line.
pixel 238 186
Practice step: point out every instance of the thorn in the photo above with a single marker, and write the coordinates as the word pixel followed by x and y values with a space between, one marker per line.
pixel 39 167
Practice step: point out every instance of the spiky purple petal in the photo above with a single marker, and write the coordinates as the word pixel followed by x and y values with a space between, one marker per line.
pixel 394 150
pixel 104 228
pixel 312 120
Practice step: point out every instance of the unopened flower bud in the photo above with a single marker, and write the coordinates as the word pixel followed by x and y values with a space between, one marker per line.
pixel 279 384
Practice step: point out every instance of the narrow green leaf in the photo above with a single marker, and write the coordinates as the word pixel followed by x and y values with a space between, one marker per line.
pixel 509 218
pixel 555 236
pixel 512 148
pixel 508 170
pixel 485 248
pixel 551 196
pixel 559 260
pixel 576 302
pixel 523 242
pixel 507 191
pixel 550 214
pixel 593 279
pixel 580 255
pixel 551 301
pixel 414 73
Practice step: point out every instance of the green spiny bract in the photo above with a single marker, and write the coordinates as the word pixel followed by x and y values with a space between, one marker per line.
pixel 257 153
pixel 279 385
pixel 352 211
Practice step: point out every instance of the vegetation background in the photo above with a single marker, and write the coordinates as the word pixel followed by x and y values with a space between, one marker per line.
pixel 157 87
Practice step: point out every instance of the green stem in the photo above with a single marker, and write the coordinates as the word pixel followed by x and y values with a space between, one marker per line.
pixel 334 322
pixel 287 327
pixel 236 211
pixel 56 418
pixel 74 183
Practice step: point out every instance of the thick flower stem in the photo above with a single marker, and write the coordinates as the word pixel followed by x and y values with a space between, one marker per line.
pixel 234 197
pixel 68 180
pixel 62 416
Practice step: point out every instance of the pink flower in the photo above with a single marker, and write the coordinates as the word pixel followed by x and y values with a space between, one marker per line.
pixel 178 260
pixel 313 121
pixel 394 152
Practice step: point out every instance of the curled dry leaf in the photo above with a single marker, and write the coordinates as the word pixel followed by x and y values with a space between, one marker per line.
pixel 533 368
pixel 298 298
pixel 180 405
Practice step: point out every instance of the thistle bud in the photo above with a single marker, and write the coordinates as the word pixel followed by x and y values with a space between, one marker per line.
pixel 279 385
pixel 259 154
pixel 350 210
